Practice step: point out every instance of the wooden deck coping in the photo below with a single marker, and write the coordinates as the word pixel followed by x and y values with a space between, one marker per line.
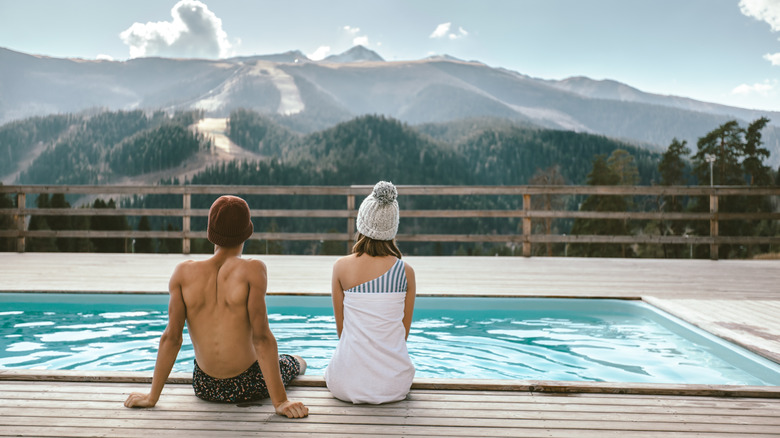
pixel 540 386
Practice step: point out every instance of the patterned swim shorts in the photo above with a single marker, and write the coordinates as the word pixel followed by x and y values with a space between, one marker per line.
pixel 247 386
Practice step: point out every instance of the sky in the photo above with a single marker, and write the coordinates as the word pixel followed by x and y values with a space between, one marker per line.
pixel 721 51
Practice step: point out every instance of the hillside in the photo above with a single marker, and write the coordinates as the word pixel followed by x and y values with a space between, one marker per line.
pixel 132 147
pixel 307 96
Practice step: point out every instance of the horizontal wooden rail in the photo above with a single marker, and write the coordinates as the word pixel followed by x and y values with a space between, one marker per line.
pixel 527 213
pixel 440 214
pixel 361 190
pixel 167 212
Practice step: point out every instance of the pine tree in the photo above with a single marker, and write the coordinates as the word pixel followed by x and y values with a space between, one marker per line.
pixel 601 175
pixel 549 177
pixel 7 223
pixel 61 222
pixel 672 170
pixel 725 144
pixel 672 166
pixel 144 244
pixel 623 165
pixel 40 222
pixel 753 163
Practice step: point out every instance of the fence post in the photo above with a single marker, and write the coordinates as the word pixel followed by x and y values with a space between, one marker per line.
pixel 185 224
pixel 526 225
pixel 713 225
pixel 350 222
pixel 21 225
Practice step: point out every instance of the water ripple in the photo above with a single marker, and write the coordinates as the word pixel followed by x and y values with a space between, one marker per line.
pixel 451 344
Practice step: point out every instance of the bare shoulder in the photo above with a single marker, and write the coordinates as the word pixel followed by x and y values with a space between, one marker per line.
pixel 253 264
pixel 183 268
pixel 341 262
pixel 252 268
pixel 408 269
pixel 186 264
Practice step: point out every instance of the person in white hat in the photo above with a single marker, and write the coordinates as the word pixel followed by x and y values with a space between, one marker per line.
pixel 373 301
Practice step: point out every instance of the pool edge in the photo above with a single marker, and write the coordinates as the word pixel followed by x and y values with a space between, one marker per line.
pixel 725 335
pixel 539 386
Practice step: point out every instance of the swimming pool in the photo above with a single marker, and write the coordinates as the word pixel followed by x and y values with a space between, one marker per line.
pixel 488 338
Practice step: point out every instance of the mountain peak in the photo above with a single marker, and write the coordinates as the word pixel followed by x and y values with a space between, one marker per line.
pixel 358 53
pixel 443 57
pixel 290 56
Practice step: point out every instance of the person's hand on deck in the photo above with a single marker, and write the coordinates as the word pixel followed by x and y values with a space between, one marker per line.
pixel 292 409
pixel 139 400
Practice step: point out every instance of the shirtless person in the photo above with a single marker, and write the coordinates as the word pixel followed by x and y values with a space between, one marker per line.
pixel 222 300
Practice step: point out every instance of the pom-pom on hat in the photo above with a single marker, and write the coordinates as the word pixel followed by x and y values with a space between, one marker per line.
pixel 229 222
pixel 378 214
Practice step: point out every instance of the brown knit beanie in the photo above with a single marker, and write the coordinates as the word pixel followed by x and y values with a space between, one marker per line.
pixel 229 222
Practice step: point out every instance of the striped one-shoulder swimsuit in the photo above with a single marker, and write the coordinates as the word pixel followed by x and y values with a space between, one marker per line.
pixel 394 280
pixel 371 363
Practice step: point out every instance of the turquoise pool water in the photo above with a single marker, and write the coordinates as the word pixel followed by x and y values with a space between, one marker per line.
pixel 488 338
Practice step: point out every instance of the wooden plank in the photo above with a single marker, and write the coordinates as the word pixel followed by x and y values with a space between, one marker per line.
pixel 567 420
pixel 280 426
pixel 437 276
pixel 380 424
pixel 86 390
pixel 441 384
pixel 178 394
pixel 477 407
pixel 168 212
pixel 146 433
pixel 526 239
pixel 407 190
pixel 79 432
pixel 474 238
pixel 444 416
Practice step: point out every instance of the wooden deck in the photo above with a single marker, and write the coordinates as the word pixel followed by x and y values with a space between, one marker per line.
pixel 87 409
pixel 738 300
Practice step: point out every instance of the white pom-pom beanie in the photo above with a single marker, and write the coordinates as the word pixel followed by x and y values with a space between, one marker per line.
pixel 378 214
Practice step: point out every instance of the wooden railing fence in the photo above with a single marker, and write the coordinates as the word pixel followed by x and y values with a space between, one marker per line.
pixel 349 212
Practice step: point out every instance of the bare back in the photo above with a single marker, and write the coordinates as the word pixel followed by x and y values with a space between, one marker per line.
pixel 216 296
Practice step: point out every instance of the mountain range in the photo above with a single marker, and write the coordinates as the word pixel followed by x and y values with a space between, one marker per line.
pixel 308 95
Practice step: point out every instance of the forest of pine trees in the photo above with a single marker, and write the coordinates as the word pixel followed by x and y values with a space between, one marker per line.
pixel 92 150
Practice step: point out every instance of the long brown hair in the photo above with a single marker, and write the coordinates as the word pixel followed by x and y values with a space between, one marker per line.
pixel 375 248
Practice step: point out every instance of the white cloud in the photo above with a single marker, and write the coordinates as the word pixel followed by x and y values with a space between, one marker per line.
pixel 443 31
pixel 357 40
pixel 774 58
pixel 103 57
pixel 320 53
pixel 194 32
pixel 764 88
pixel 764 10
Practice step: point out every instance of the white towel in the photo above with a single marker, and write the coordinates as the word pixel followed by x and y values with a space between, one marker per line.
pixel 371 363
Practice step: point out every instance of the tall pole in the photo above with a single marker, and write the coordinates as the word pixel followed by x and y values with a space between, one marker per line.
pixel 713 211
pixel 710 159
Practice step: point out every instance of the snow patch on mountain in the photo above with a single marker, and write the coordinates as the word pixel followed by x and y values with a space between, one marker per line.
pixel 291 102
